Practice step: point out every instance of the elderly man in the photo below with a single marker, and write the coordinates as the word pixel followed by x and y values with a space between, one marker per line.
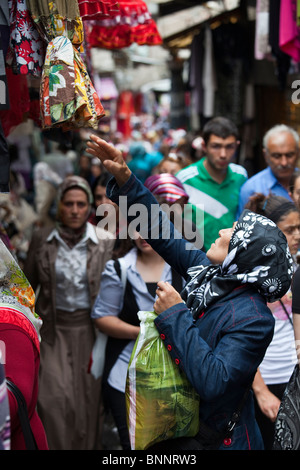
pixel 281 151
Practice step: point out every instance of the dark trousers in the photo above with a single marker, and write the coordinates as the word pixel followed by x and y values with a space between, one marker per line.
pixel 115 401
pixel 266 426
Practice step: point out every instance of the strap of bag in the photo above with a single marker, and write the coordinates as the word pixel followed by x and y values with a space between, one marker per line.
pixel 23 416
pixel 286 312
pixel 120 267
pixel 237 413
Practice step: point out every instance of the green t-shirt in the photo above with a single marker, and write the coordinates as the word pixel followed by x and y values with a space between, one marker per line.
pixel 214 205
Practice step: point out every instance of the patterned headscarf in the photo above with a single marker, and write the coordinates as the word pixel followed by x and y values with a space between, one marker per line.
pixel 258 254
pixel 17 298
pixel 166 186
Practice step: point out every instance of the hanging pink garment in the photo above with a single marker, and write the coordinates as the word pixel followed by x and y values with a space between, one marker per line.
pixel 289 32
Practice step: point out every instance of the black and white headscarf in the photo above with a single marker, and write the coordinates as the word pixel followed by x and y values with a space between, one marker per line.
pixel 258 254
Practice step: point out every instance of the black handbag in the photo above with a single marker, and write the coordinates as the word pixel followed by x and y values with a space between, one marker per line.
pixel 23 416
pixel 287 425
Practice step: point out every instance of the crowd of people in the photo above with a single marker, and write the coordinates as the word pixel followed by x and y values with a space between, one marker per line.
pixel 220 284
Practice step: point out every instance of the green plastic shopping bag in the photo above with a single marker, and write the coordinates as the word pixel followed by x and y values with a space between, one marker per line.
pixel 161 404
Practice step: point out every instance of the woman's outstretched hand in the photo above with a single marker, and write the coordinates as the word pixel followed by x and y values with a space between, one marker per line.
pixel 111 158
pixel 167 296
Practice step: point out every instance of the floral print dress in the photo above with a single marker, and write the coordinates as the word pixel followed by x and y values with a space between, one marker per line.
pixel 27 50
pixel 67 96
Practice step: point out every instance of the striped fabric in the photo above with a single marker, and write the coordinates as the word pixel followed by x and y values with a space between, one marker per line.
pixel 166 186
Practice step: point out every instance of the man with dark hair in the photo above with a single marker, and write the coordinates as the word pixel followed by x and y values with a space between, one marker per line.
pixel 213 183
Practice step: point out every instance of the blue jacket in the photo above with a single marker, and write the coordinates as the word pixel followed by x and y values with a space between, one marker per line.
pixel 222 349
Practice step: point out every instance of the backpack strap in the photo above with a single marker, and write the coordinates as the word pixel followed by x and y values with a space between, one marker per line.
pixel 120 267
pixel 23 416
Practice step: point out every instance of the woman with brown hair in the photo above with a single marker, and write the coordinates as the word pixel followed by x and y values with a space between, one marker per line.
pixel 278 364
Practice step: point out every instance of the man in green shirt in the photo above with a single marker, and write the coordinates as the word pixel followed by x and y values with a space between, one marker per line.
pixel 213 183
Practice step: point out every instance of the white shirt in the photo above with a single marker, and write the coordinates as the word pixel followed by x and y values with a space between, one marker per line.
pixel 72 292
pixel 280 358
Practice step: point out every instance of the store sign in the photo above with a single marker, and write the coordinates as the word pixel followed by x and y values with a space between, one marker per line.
pixel 296 94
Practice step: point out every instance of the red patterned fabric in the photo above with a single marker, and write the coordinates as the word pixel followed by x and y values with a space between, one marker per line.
pixel 27 50
pixel 133 24
pixel 98 9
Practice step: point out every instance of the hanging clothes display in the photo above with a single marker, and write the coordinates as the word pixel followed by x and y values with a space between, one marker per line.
pixel 289 31
pixel 98 9
pixel 26 51
pixel 67 96
pixel 262 49
pixel 133 24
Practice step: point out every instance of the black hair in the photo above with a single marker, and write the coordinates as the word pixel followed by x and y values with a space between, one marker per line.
pixel 292 181
pixel 101 180
pixel 221 127
pixel 272 206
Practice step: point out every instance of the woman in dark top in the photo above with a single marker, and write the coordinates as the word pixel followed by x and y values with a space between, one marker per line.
pixel 218 329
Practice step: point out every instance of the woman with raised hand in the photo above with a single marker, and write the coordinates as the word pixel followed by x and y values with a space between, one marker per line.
pixel 218 329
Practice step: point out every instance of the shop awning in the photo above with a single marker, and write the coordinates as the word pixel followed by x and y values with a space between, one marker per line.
pixel 178 23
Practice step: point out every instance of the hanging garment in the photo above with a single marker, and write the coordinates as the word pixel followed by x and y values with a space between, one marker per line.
pixel 262 48
pixel 98 9
pixel 67 96
pixel 133 24
pixel 26 50
pixel 289 32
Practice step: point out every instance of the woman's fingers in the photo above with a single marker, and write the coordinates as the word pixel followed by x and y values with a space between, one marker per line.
pixel 111 158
